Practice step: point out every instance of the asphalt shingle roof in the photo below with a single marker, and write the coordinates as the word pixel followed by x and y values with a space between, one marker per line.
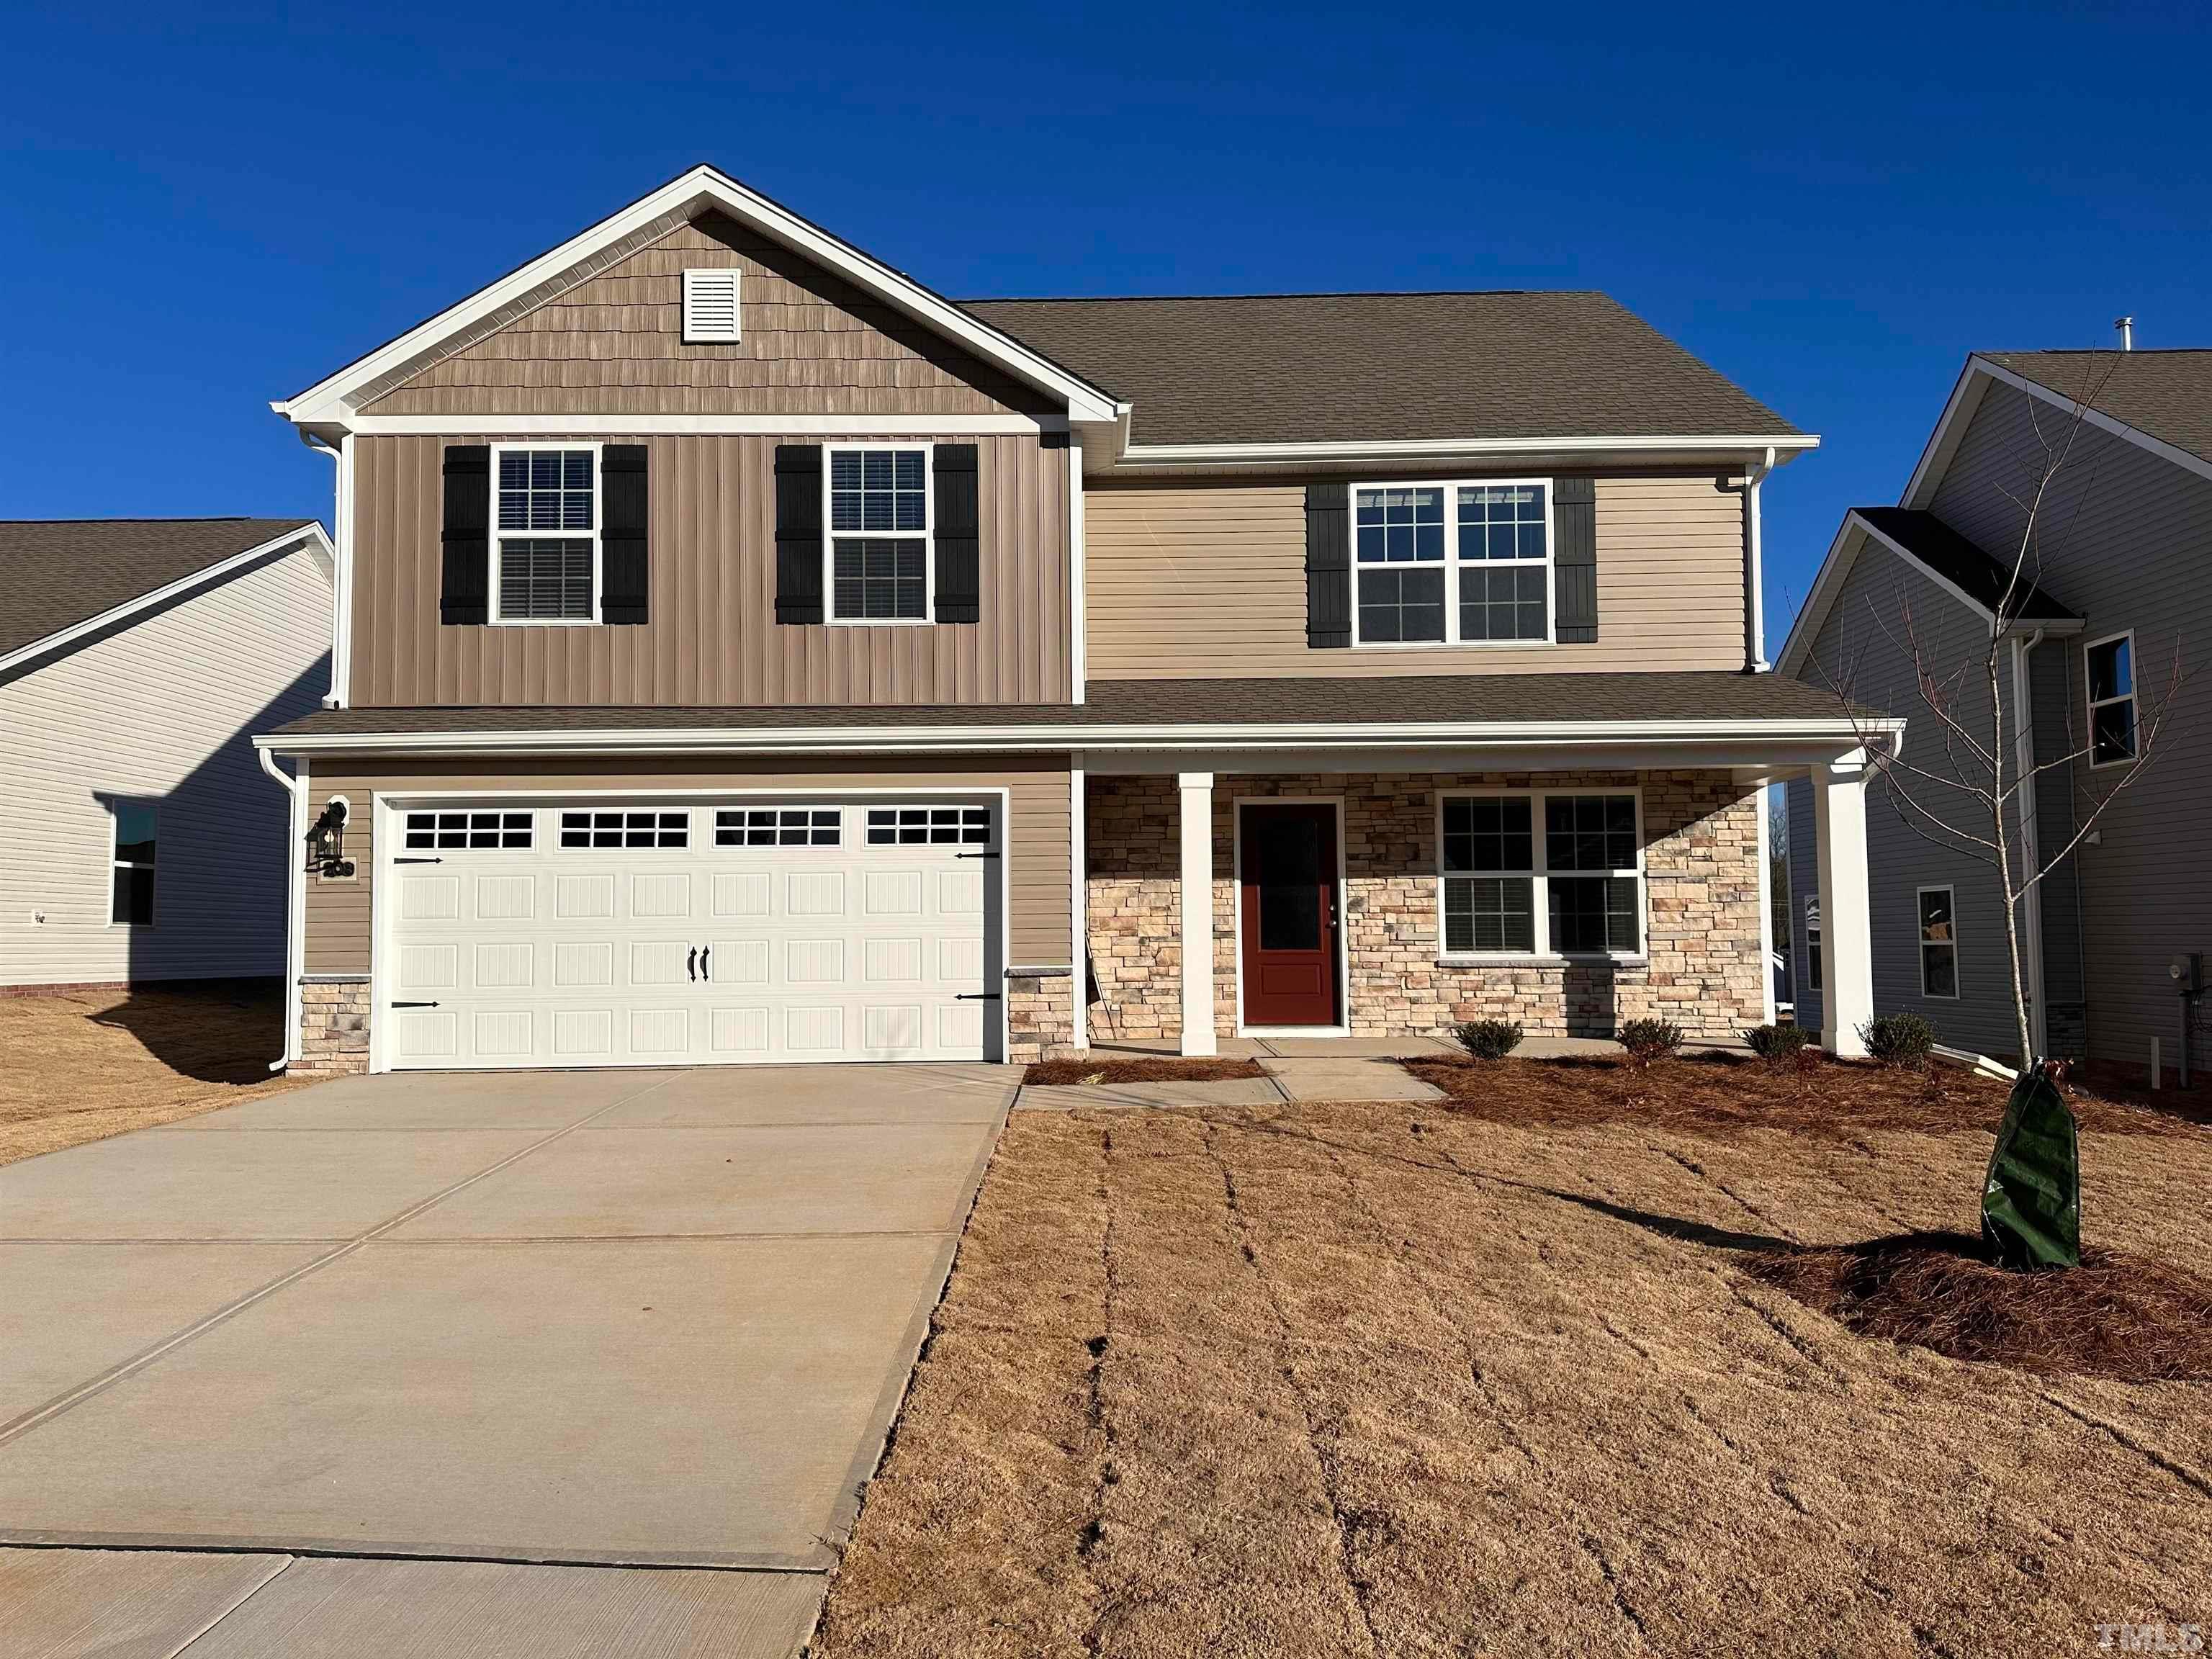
pixel 57 573
pixel 2167 394
pixel 1320 368
pixel 1961 562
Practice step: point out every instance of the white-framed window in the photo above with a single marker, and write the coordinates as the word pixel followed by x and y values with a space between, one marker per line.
pixel 1939 943
pixel 779 826
pixel 545 533
pixel 1812 944
pixel 1452 562
pixel 913 826
pixel 134 832
pixel 2112 678
pixel 879 511
pixel 710 306
pixel 423 831
pixel 1540 873
pixel 625 829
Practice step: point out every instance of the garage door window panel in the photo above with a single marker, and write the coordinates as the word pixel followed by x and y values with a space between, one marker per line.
pixel 621 828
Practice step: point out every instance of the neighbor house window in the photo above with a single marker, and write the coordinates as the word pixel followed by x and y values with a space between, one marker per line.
pixel 134 825
pixel 1452 564
pixel 1939 943
pixel 545 550
pixel 878 534
pixel 1541 874
pixel 2112 700
pixel 1812 944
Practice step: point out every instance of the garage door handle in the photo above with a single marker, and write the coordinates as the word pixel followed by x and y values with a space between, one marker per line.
pixel 691 962
pixel 976 996
pixel 706 955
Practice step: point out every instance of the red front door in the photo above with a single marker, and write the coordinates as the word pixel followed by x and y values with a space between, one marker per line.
pixel 1287 892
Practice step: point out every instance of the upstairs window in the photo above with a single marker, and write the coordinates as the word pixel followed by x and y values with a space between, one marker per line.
pixel 545 551
pixel 1452 564
pixel 879 525
pixel 135 826
pixel 1541 874
pixel 710 308
pixel 2112 700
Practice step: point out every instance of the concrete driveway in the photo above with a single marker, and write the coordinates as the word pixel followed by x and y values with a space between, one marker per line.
pixel 396 1344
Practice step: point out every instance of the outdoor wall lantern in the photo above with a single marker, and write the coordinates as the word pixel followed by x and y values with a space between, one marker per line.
pixel 326 843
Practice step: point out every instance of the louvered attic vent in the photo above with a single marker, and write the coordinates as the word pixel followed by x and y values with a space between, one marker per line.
pixel 710 306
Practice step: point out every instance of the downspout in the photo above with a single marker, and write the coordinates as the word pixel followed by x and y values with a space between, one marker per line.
pixel 295 904
pixel 2031 904
pixel 1754 609
pixel 342 564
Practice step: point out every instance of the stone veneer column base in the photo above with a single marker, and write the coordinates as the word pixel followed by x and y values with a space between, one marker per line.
pixel 333 1027
pixel 1039 1017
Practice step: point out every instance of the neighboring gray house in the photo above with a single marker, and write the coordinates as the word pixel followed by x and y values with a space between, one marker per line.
pixel 140 839
pixel 2119 594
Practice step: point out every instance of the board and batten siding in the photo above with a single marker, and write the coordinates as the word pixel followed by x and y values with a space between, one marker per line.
pixel 2126 543
pixel 1208 579
pixel 613 345
pixel 162 710
pixel 1036 833
pixel 711 637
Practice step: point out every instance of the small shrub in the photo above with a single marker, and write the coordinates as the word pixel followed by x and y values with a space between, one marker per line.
pixel 1777 1044
pixel 1488 1039
pixel 1647 1040
pixel 1899 1040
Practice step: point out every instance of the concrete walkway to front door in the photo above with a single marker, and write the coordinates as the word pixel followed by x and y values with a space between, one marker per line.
pixel 398 1347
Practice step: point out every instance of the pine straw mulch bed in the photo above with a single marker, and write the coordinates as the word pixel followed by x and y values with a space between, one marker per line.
pixel 81 1066
pixel 1094 1068
pixel 1398 1378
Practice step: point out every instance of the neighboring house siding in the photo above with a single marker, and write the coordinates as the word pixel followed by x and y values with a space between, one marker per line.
pixel 1863 647
pixel 613 345
pixel 2127 542
pixel 1208 578
pixel 2051 689
pixel 162 710
pixel 1037 923
pixel 712 636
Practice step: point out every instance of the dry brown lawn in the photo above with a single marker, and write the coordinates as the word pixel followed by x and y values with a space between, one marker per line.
pixel 85 1064
pixel 1473 1378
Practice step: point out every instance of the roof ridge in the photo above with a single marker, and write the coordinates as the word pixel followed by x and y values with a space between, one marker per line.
pixel 216 518
pixel 1285 293
pixel 2101 351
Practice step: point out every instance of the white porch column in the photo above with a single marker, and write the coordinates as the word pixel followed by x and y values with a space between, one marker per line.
pixel 1197 932
pixel 1847 956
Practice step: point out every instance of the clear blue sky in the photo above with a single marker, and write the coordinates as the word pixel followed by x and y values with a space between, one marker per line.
pixel 1833 205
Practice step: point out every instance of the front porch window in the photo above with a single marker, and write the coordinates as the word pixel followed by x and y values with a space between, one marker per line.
pixel 1575 889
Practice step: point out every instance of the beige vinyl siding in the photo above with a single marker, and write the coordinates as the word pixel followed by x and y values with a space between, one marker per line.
pixel 712 636
pixel 1038 924
pixel 162 710
pixel 613 345
pixel 1208 579
pixel 2126 541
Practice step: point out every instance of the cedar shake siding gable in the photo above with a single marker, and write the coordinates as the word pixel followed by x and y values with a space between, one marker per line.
pixel 811 343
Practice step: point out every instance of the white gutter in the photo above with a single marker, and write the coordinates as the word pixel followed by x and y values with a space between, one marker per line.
pixel 341 452
pixel 1413 448
pixel 1754 613
pixel 295 902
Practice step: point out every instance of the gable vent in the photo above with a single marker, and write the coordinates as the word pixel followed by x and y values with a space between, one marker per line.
pixel 710 306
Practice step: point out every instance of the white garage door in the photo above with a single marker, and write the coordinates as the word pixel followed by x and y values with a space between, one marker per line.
pixel 659 934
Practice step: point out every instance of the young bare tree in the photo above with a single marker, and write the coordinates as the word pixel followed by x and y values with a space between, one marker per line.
pixel 1973 802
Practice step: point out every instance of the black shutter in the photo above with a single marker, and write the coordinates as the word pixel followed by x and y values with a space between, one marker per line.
pixel 1574 560
pixel 1328 566
pixel 621 533
pixel 798 533
pixel 958 534
pixel 465 544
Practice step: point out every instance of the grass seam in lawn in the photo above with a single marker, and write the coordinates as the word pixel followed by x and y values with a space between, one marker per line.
pixel 1101 1419
pixel 2149 1453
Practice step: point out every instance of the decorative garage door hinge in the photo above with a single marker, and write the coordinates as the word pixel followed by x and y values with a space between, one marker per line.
pixel 976 996
pixel 418 860
pixel 976 855
pixel 414 1005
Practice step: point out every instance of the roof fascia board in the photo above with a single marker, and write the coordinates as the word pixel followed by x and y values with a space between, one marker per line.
pixel 1943 442
pixel 1693 446
pixel 833 426
pixel 326 400
pixel 210 576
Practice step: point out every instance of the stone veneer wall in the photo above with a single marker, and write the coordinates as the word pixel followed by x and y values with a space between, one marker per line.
pixel 1039 1017
pixel 1703 967
pixel 333 1027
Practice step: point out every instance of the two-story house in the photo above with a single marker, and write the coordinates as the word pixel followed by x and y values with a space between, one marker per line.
pixel 748 654
pixel 2108 622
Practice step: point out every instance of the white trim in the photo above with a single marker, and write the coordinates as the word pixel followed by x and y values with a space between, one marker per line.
pixel 694 278
pixel 1452 564
pixel 295 897
pixel 1195 876
pixel 1078 897
pixel 926 537
pixel 1539 878
pixel 310 531
pixel 1077 609
pixel 115 861
pixel 869 428
pixel 341 562
pixel 1449 448
pixel 2091 702
pixel 1922 943
pixel 497 535
pixel 1237 805
pixel 678 199
pixel 1766 908
pixel 1754 614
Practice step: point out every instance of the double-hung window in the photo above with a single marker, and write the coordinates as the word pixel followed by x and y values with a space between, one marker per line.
pixel 2111 700
pixel 880 527
pixel 545 533
pixel 1939 943
pixel 134 826
pixel 1452 562
pixel 1541 873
